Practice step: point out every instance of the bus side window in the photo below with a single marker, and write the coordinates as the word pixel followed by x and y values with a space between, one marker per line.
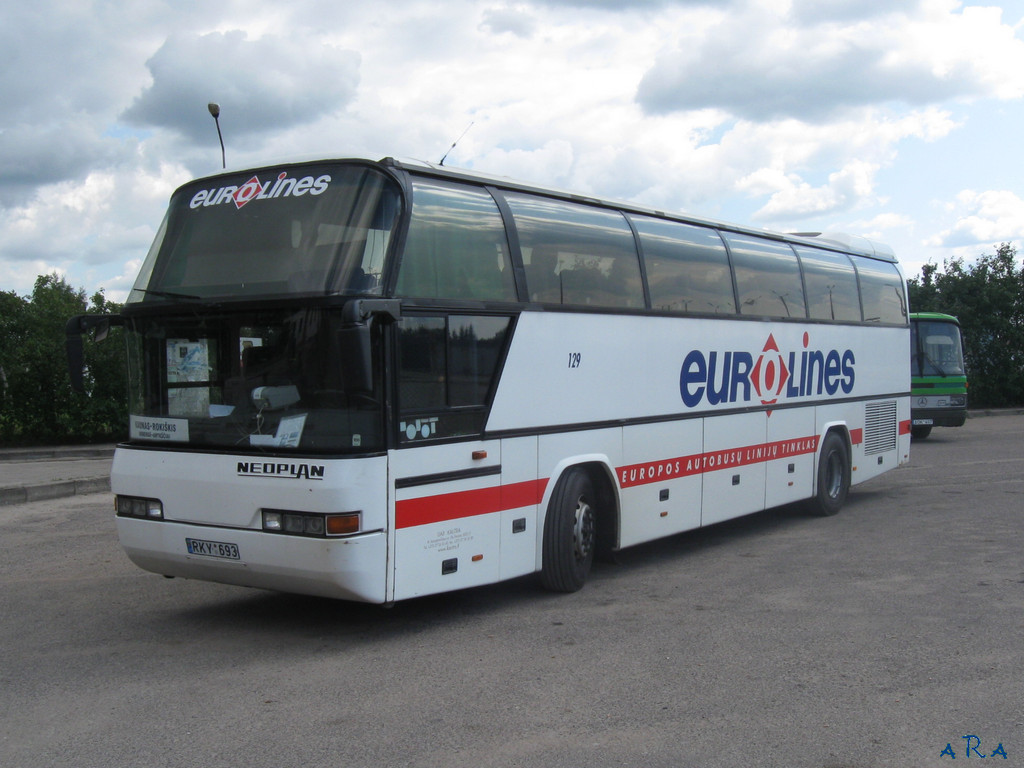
pixel 687 267
pixel 881 291
pixel 831 285
pixel 447 366
pixel 577 254
pixel 456 247
pixel 423 375
pixel 767 277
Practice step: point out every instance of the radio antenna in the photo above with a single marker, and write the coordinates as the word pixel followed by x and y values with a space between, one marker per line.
pixel 456 142
pixel 215 111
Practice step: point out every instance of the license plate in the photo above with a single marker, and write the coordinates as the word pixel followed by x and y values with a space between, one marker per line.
pixel 220 549
pixel 922 422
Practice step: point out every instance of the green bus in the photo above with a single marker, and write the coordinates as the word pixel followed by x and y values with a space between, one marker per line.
pixel 938 379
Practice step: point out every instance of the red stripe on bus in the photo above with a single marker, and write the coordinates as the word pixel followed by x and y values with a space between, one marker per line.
pixel 710 461
pixel 481 501
pixel 525 494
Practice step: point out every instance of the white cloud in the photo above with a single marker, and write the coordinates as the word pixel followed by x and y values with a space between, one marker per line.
pixel 553 161
pixel 792 198
pixel 760 65
pixel 263 85
pixel 876 226
pixel 780 159
pixel 992 216
pixel 91 228
pixel 516 20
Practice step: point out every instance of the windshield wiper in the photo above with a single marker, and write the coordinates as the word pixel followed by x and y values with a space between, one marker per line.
pixel 170 294
pixel 935 365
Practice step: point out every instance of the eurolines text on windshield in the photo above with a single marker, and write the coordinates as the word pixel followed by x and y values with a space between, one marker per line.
pixel 254 189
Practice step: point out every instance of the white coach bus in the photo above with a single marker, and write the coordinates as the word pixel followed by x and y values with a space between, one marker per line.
pixel 378 380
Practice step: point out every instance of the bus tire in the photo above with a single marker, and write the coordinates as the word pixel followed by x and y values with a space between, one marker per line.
pixel 570 533
pixel 920 433
pixel 833 481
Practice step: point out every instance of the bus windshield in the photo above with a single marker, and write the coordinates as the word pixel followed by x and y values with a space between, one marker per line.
pixel 304 230
pixel 936 349
pixel 274 379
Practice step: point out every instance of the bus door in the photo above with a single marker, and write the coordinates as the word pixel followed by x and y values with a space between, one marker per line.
pixel 445 477
pixel 447 510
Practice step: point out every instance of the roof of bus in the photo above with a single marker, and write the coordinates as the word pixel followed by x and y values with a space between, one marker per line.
pixel 934 316
pixel 837 241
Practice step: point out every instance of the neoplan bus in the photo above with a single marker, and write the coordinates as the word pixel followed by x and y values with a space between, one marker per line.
pixel 377 380
pixel 938 377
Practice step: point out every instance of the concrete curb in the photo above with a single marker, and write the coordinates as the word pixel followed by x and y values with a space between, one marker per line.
pixel 23 494
pixel 57 452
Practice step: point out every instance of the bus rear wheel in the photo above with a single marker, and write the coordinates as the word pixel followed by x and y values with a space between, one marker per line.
pixel 570 533
pixel 833 481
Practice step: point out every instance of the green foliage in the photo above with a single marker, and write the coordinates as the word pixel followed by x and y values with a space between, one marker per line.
pixel 37 405
pixel 988 299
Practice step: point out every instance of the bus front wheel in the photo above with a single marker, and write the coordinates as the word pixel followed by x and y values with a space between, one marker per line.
pixel 570 533
pixel 833 482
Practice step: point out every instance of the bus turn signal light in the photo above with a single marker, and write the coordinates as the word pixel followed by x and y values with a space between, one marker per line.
pixel 343 525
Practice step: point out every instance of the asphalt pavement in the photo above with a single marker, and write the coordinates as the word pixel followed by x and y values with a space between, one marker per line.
pixel 886 636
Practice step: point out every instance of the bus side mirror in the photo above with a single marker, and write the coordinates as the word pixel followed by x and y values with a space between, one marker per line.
pixel 354 340
pixel 73 331
pixel 357 365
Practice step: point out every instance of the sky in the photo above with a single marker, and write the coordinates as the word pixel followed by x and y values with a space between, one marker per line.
pixel 898 120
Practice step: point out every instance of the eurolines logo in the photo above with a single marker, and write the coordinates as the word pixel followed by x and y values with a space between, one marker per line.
pixel 254 189
pixel 736 377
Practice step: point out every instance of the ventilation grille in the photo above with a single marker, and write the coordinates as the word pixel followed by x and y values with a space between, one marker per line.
pixel 880 428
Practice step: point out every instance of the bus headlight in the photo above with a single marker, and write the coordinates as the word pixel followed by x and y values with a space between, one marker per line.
pixel 136 506
pixel 309 523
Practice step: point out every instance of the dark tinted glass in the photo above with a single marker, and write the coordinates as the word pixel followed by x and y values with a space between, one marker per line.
pixel 422 382
pixel 306 230
pixel 767 277
pixel 831 285
pixel 456 248
pixel 881 291
pixel 447 366
pixel 274 379
pixel 687 267
pixel 577 254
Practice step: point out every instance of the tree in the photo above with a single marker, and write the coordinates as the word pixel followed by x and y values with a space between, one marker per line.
pixel 988 299
pixel 37 404
pixel 13 328
pixel 105 408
